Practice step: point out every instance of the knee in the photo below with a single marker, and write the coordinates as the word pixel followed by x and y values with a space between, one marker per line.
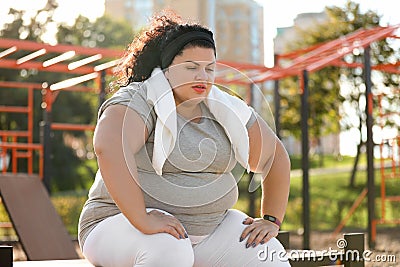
pixel 172 253
pixel 236 215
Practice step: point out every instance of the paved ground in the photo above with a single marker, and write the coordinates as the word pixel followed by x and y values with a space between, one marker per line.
pixel 388 245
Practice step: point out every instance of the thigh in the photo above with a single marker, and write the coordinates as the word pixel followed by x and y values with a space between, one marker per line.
pixel 222 247
pixel 115 242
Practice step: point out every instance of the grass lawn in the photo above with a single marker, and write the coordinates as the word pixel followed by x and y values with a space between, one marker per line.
pixel 330 198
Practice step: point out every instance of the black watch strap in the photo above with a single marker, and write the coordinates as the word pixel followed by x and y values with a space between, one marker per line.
pixel 272 219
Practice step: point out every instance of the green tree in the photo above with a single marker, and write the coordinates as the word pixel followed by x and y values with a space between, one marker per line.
pixel 32 29
pixel 104 32
pixel 72 157
pixel 326 97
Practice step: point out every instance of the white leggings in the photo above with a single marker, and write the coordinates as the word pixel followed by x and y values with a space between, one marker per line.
pixel 114 242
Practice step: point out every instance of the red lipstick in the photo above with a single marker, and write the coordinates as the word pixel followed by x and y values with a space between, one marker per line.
pixel 199 88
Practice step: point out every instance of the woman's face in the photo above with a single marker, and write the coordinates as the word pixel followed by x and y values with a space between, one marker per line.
pixel 191 75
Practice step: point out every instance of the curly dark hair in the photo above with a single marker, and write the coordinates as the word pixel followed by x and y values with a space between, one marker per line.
pixel 144 52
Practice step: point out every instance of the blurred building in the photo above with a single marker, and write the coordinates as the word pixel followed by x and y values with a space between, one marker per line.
pixel 290 34
pixel 285 36
pixel 237 24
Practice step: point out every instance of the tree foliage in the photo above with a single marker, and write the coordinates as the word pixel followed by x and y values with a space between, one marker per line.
pixel 72 155
pixel 104 32
pixel 336 94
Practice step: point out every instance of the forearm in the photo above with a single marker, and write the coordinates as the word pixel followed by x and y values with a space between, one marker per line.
pixel 275 185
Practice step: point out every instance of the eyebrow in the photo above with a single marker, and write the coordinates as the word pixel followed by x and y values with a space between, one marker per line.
pixel 194 62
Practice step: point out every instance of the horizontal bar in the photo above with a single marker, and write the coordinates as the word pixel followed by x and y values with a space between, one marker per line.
pixel 20 84
pixel 22 145
pixel 6 225
pixel 12 64
pixel 392 198
pixel 73 81
pixel 15 133
pixel 14 109
pixel 31 56
pixel 385 221
pixel 84 61
pixel 60 48
pixel 72 127
pixel 59 58
pixel 20 154
pixel 8 51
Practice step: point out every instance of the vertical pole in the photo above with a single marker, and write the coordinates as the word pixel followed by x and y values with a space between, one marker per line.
pixel 6 256
pixel 277 108
pixel 277 102
pixel 305 159
pixel 102 93
pixel 354 250
pixel 46 137
pixel 370 146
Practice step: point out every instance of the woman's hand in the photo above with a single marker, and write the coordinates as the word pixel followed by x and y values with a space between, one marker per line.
pixel 159 222
pixel 260 231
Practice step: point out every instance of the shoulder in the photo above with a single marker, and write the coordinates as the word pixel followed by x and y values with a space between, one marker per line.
pixel 133 95
pixel 130 90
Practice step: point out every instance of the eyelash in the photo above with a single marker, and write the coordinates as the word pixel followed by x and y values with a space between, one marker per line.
pixel 194 68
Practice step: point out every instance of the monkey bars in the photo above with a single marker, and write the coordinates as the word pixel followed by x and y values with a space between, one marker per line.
pixel 94 64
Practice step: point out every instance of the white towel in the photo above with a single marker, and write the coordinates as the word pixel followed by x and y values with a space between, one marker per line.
pixel 231 112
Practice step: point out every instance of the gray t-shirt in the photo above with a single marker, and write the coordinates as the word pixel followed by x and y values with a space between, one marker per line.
pixel 196 186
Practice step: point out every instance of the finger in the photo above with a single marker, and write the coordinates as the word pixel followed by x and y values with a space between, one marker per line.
pixel 252 237
pixel 248 220
pixel 178 227
pixel 246 232
pixel 172 231
pixel 266 238
pixel 261 237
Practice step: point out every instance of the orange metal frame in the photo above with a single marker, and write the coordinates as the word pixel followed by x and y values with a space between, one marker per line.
pixel 10 138
pixel 389 165
pixel 310 59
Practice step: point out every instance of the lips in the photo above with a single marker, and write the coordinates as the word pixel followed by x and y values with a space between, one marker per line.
pixel 199 88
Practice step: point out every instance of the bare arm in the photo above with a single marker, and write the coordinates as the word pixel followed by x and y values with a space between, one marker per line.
pixel 268 157
pixel 120 133
pixel 110 142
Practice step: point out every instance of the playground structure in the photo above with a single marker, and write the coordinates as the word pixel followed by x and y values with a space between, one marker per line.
pixel 301 63
pixel 389 149
pixel 389 166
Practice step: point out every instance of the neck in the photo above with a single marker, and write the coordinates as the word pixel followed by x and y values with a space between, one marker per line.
pixel 190 111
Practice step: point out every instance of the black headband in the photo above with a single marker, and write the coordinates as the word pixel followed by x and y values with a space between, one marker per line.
pixel 176 45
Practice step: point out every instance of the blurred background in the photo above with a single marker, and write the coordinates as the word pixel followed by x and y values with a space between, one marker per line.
pixel 247 32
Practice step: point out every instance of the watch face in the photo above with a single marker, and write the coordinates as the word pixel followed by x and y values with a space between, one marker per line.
pixel 269 218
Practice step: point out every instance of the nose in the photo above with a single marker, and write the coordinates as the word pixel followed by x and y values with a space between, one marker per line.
pixel 201 75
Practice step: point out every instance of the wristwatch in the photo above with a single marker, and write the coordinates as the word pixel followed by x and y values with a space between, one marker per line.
pixel 272 219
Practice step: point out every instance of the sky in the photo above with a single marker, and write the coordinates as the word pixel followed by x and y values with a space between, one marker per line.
pixel 277 13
